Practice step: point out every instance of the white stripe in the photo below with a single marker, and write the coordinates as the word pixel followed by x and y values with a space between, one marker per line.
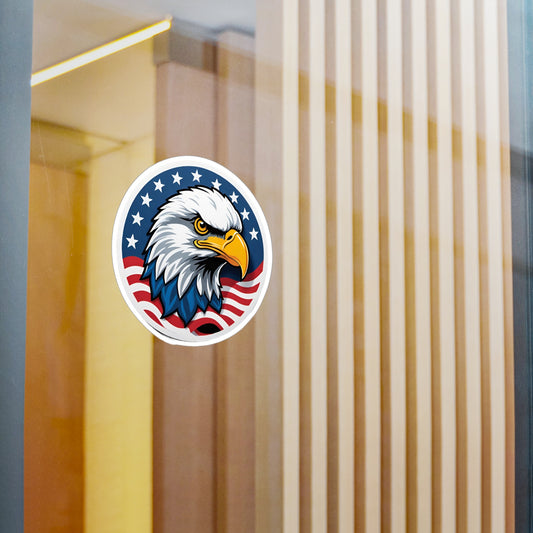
pixel 140 287
pixel 250 282
pixel 131 270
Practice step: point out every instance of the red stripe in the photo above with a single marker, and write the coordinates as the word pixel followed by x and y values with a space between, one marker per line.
pixel 252 275
pixel 242 301
pixel 141 296
pixel 133 261
pixel 234 286
pixel 231 309
pixel 195 324
pixel 136 278
pixel 175 320
pixel 225 318
pixel 153 317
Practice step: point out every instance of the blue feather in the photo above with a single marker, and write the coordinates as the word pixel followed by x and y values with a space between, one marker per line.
pixel 185 306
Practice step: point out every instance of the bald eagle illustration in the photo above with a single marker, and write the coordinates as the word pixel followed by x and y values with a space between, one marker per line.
pixel 193 236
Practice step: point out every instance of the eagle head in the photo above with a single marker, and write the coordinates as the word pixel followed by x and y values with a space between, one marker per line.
pixel 193 235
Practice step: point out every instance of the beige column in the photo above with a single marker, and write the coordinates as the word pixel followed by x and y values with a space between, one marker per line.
pixel 235 382
pixel 55 351
pixel 277 343
pixel 184 427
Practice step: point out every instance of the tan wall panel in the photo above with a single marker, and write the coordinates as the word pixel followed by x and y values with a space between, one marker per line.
pixel 491 245
pixel 277 339
pixel 184 378
pixel 442 268
pixel 392 268
pixel 341 489
pixel 55 353
pixel 118 366
pixel 185 111
pixel 366 266
pixel 423 411
pixel 184 439
pixel 235 407
pixel 507 272
pixel 467 295
pixel 417 270
pixel 313 319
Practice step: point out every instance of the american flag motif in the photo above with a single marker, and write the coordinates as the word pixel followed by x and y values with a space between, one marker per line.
pixel 179 314
pixel 238 295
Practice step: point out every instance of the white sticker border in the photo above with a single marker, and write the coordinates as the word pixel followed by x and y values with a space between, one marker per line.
pixel 118 227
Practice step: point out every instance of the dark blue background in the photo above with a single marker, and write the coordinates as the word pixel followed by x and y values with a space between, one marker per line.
pixel 170 188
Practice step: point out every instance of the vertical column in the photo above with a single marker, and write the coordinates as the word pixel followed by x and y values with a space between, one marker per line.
pixel 491 245
pixel 313 311
pixel 442 268
pixel 392 268
pixel 339 244
pixel 277 337
pixel 366 266
pixel 55 359
pixel 417 273
pixel 235 426
pixel 507 269
pixel 118 366
pixel 184 378
pixel 467 296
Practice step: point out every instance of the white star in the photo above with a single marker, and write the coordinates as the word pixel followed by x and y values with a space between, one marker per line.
pixel 146 200
pixel 177 178
pixel 158 185
pixel 217 184
pixel 137 218
pixel 254 233
pixel 132 241
pixel 234 197
pixel 196 176
pixel 245 214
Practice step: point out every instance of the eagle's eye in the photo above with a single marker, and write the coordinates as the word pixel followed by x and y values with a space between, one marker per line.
pixel 200 226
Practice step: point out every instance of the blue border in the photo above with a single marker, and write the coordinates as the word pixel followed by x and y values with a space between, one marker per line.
pixel 169 188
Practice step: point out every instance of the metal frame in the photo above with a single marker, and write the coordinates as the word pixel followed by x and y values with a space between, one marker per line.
pixel 520 30
pixel 15 95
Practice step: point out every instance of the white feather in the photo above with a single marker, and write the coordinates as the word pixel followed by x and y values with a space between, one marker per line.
pixel 172 235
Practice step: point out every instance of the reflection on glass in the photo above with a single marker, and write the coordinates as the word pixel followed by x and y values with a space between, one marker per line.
pixel 374 387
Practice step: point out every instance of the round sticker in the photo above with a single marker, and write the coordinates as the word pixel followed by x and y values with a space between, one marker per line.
pixel 191 251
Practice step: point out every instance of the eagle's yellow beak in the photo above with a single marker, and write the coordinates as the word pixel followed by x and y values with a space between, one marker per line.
pixel 231 247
